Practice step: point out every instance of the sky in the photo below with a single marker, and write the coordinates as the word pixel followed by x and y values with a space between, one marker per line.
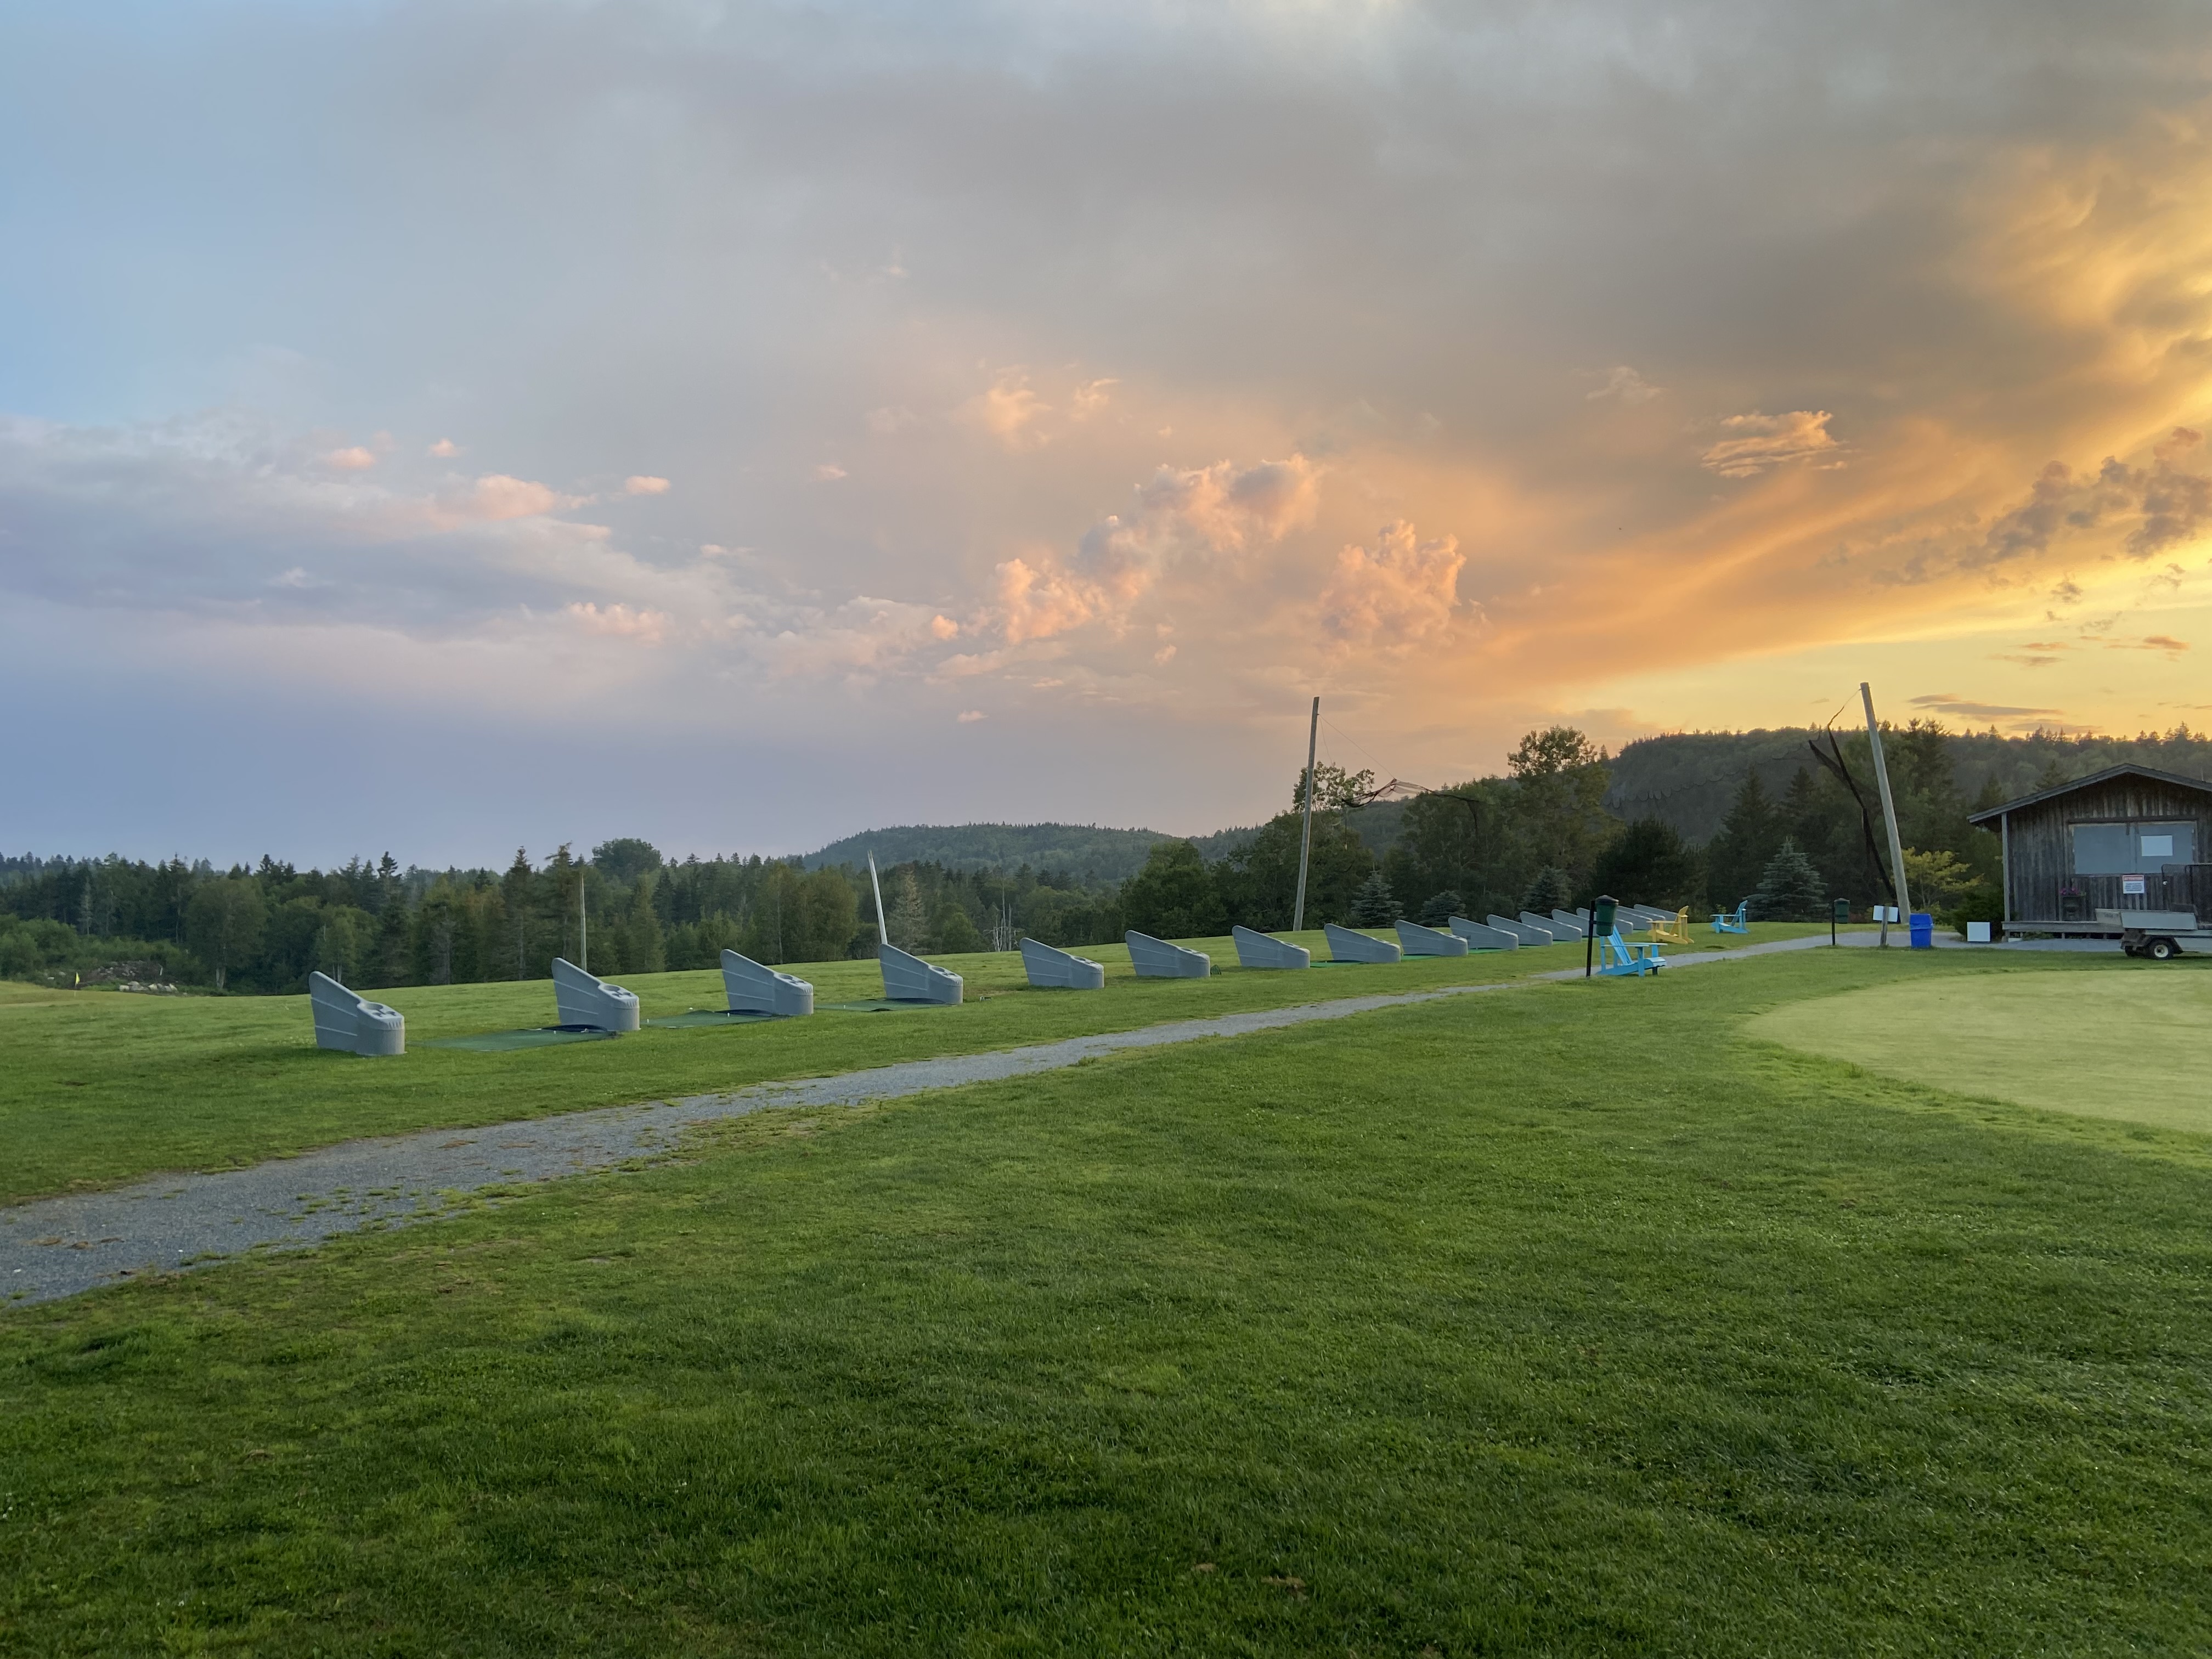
pixel 454 426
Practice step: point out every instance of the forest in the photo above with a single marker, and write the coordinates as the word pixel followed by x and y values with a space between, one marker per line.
pixel 1789 833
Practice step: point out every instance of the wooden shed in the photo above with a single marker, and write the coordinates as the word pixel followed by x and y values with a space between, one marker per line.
pixel 2127 838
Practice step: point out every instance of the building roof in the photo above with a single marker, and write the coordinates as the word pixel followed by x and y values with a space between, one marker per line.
pixel 2126 769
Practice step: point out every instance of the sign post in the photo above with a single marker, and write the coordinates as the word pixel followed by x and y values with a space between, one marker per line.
pixel 1603 909
pixel 1838 912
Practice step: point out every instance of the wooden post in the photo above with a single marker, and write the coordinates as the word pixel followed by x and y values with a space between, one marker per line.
pixel 2004 861
pixel 1305 840
pixel 1888 812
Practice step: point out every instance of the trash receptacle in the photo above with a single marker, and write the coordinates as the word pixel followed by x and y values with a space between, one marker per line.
pixel 1923 930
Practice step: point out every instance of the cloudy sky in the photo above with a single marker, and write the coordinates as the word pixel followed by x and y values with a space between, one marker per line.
pixel 454 425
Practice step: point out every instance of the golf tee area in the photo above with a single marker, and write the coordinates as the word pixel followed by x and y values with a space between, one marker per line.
pixel 1806 1300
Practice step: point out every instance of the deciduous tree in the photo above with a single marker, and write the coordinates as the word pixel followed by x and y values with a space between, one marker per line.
pixel 223 921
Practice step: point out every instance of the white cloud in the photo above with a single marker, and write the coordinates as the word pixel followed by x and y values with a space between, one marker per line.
pixel 830 472
pixel 1090 397
pixel 444 450
pixel 620 622
pixel 890 420
pixel 1625 384
pixel 353 459
pixel 644 485
pixel 1758 442
pixel 969 716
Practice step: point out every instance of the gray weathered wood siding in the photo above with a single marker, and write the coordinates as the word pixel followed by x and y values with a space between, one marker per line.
pixel 2039 847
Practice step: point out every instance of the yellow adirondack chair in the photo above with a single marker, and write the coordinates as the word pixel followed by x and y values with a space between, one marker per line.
pixel 1675 933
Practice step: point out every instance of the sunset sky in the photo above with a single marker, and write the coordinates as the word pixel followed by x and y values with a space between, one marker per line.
pixel 455 425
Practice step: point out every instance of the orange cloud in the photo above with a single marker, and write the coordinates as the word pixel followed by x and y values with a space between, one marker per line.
pixel 1402 592
pixel 1766 441
pixel 496 496
pixel 1183 519
pixel 1008 409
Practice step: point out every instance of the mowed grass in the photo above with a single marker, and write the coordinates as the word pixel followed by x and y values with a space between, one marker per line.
pixel 101 1086
pixel 1574 1321
pixel 2136 1046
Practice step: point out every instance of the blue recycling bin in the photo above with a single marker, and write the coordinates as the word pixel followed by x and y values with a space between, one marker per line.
pixel 1923 930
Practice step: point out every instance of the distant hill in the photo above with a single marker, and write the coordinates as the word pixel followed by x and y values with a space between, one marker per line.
pixel 1096 855
pixel 1687 779
pixel 1083 850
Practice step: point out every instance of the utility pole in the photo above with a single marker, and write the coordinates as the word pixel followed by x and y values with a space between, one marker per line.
pixel 1305 840
pixel 1888 811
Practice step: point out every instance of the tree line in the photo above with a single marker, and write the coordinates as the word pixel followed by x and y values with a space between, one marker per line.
pixel 1537 838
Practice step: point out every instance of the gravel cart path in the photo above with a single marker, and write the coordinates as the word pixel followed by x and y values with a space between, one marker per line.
pixel 59 1247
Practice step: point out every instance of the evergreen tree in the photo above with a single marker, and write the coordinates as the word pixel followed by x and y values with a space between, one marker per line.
pixel 644 948
pixel 394 943
pixel 1789 888
pixel 1648 863
pixel 1441 908
pixel 1747 842
pixel 519 887
pixel 909 920
pixel 1374 905
pixel 434 928
pixel 1548 892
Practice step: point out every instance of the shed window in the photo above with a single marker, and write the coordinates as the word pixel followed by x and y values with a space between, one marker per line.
pixel 2131 849
pixel 2165 843
pixel 2104 849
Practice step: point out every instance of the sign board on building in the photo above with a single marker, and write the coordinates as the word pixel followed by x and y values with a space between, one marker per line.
pixel 2131 885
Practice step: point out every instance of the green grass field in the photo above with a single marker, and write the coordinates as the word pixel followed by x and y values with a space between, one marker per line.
pixel 1582 1319
pixel 101 1086
pixel 2137 1046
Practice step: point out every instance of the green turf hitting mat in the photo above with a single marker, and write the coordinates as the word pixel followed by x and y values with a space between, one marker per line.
pixel 885 1005
pixel 697 1016
pixel 500 1043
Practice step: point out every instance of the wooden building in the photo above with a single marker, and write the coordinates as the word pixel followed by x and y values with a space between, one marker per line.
pixel 2126 838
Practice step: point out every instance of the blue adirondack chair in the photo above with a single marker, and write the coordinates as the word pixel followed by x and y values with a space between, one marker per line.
pixel 1738 921
pixel 1616 956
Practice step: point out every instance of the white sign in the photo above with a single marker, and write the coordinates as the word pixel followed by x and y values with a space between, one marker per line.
pixel 2131 885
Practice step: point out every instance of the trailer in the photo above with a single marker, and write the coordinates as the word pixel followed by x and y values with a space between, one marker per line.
pixel 2162 935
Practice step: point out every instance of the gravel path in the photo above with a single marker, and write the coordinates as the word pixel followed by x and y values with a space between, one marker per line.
pixel 59 1247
